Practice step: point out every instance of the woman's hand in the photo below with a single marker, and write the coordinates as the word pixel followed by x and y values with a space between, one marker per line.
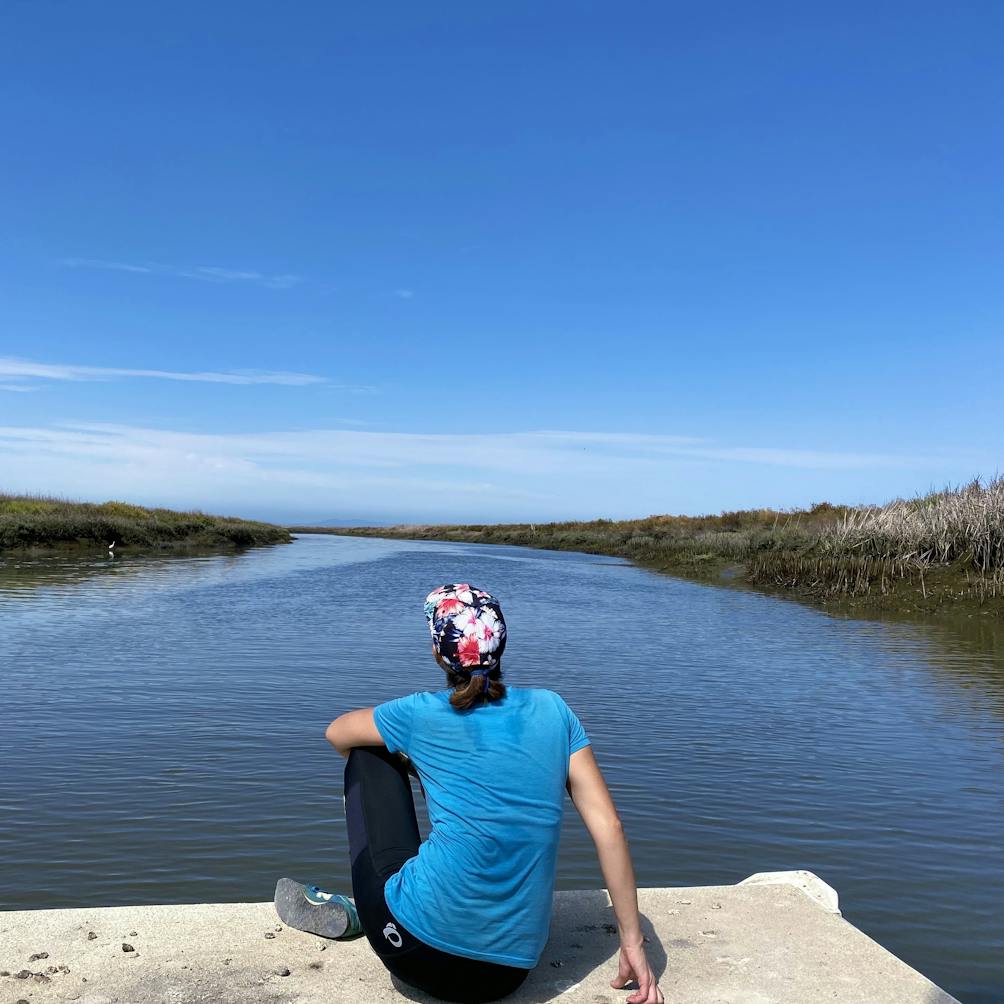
pixel 634 967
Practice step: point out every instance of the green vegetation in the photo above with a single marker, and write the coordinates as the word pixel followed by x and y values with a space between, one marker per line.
pixel 920 553
pixel 947 545
pixel 28 521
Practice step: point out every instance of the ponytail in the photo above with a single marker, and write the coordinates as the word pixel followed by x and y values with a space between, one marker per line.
pixel 470 691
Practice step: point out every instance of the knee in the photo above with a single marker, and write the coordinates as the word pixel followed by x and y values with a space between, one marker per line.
pixel 355 761
pixel 363 758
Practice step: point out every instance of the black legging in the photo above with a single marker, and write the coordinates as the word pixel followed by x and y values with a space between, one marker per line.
pixel 383 835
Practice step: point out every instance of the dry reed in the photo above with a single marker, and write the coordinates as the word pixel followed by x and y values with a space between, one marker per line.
pixel 963 524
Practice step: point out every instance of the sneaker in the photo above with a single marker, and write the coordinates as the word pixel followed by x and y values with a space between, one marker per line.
pixel 310 908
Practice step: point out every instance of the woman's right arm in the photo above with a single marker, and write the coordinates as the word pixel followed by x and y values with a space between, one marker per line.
pixel 591 798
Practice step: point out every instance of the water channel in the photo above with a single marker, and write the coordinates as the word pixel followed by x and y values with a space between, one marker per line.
pixel 163 723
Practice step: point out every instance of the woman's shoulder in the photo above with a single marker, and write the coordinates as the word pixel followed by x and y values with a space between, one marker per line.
pixel 538 695
pixel 432 698
pixel 423 698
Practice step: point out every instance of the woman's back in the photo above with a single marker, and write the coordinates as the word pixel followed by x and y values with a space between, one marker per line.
pixel 494 779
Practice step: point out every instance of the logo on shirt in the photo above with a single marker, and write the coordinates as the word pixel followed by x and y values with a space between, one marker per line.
pixel 391 933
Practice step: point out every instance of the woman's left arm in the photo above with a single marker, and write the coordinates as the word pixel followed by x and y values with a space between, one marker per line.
pixel 354 728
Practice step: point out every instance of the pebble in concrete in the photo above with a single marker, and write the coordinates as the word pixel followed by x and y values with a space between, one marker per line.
pixel 126 947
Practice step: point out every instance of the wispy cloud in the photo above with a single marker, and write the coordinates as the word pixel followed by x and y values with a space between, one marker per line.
pixel 18 388
pixel 25 369
pixel 404 294
pixel 427 475
pixel 205 273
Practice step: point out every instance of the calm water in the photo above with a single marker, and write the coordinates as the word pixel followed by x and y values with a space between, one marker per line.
pixel 163 723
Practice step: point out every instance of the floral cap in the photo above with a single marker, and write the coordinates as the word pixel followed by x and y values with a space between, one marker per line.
pixel 467 626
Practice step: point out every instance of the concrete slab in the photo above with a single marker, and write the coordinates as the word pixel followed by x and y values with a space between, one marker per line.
pixel 812 885
pixel 754 943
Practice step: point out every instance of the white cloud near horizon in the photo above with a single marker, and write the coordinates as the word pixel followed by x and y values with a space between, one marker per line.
pixel 26 369
pixel 419 475
pixel 204 273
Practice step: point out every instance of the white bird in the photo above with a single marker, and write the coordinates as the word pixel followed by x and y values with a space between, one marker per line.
pixel 111 549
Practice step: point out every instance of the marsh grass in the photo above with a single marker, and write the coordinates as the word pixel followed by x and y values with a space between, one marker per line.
pixel 963 524
pixel 35 521
pixel 848 575
pixel 948 543
pixel 942 546
pixel 693 541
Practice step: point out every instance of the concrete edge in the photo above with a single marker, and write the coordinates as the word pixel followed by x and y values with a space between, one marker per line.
pixel 822 894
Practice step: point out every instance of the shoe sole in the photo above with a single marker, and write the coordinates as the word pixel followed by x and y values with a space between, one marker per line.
pixel 328 920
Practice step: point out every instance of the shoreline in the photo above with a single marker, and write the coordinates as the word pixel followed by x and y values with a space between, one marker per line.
pixel 36 525
pixel 82 547
pixel 939 593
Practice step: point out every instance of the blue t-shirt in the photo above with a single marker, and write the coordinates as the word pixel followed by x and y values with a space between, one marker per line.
pixel 494 779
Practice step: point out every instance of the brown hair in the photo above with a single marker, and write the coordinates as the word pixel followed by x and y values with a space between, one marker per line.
pixel 469 691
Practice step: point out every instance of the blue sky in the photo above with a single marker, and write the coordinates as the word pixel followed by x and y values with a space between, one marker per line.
pixel 403 261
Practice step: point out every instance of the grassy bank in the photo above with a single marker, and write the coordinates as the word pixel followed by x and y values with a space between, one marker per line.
pixel 923 553
pixel 28 522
